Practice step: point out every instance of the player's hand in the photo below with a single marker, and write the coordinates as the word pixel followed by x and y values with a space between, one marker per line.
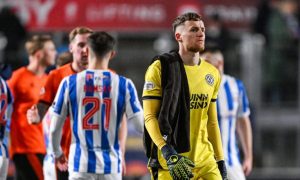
pixel 61 163
pixel 222 169
pixel 247 166
pixel 180 167
pixel 33 115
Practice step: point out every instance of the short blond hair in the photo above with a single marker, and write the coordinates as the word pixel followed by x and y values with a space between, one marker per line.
pixel 36 43
pixel 79 30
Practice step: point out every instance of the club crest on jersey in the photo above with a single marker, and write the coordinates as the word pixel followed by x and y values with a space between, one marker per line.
pixel 42 91
pixel 209 79
pixel 148 85
pixel 96 77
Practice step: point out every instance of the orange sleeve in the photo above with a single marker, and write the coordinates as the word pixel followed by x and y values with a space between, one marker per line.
pixel 50 90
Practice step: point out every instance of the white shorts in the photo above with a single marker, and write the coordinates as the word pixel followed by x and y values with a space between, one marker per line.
pixel 92 176
pixel 4 160
pixel 49 167
pixel 235 172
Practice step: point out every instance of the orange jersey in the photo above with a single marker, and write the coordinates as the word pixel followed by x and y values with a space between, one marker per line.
pixel 26 88
pixel 51 87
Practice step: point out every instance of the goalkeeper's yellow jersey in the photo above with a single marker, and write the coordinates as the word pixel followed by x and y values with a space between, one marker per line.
pixel 203 81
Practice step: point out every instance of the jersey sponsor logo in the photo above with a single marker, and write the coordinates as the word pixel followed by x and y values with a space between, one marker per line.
pixel 198 101
pixel 209 79
pixel 149 85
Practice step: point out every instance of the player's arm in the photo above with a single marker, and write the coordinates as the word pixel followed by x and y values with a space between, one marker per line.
pixel 134 111
pixel 42 108
pixel 123 134
pixel 122 137
pixel 244 131
pixel 59 111
pixel 37 112
pixel 214 136
pixel 243 127
pixel 151 110
pixel 152 102
pixel 213 130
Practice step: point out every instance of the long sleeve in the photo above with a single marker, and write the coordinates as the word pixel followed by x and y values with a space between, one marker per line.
pixel 151 110
pixel 134 111
pixel 55 134
pixel 213 130
pixel 59 112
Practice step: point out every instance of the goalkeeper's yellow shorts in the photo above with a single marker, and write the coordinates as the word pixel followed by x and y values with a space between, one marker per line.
pixel 209 171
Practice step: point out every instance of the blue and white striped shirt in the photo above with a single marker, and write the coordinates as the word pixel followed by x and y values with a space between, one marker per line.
pixel 96 101
pixel 232 103
pixel 6 101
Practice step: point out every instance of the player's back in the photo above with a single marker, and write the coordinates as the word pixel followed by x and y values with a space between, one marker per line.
pixel 97 100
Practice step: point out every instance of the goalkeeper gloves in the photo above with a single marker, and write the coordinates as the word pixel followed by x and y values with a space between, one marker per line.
pixel 222 169
pixel 180 167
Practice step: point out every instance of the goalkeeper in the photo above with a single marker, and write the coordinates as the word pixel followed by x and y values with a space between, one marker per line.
pixel 182 136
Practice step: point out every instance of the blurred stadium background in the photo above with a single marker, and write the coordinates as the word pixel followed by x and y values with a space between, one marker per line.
pixel 260 40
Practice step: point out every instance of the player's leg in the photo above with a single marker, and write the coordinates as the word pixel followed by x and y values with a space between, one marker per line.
pixel 29 166
pixel 235 173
